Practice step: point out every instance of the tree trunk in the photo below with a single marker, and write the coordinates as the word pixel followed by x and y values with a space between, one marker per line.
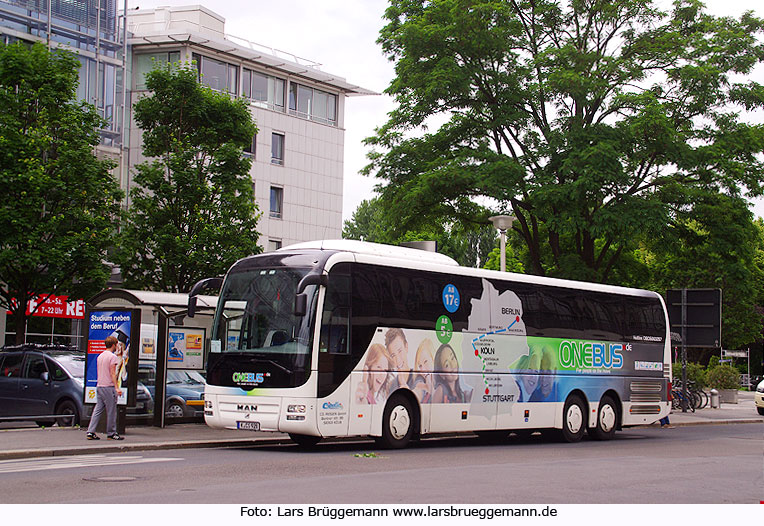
pixel 20 323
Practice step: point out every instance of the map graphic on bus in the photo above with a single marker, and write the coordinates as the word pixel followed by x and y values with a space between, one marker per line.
pixel 493 361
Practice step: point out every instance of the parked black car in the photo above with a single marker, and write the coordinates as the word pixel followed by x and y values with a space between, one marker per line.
pixel 184 391
pixel 144 401
pixel 39 380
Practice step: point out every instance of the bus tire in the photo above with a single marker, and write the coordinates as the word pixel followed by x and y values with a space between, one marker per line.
pixel 397 423
pixel 573 419
pixel 304 440
pixel 607 420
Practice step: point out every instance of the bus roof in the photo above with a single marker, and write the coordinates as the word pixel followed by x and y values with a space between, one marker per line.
pixel 374 249
pixel 425 258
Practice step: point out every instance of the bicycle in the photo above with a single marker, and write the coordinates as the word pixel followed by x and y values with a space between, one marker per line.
pixel 677 397
pixel 700 396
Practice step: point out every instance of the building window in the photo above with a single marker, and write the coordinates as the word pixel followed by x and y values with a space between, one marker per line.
pixel 263 90
pixel 145 62
pixel 277 148
pixel 274 244
pixel 277 202
pixel 313 104
pixel 216 74
pixel 251 149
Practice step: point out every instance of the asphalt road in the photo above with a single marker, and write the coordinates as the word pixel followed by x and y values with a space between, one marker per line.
pixel 697 464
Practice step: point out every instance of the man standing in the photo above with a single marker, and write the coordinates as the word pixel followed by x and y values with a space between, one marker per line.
pixel 108 392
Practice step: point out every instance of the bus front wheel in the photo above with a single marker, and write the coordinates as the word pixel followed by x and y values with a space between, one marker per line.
pixel 607 420
pixel 573 419
pixel 397 423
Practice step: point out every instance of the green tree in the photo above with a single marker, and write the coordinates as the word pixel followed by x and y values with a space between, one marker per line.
pixel 512 262
pixel 468 244
pixel 369 223
pixel 712 243
pixel 60 203
pixel 193 212
pixel 586 119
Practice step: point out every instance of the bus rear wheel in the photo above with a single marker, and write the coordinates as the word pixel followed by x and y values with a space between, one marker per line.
pixel 304 440
pixel 397 423
pixel 573 419
pixel 607 420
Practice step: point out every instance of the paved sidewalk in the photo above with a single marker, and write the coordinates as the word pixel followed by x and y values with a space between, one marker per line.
pixel 54 441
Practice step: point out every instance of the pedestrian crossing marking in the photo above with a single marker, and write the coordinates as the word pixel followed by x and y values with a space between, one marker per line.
pixel 74 461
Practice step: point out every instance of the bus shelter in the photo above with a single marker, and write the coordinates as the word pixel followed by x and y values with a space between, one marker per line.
pixel 159 337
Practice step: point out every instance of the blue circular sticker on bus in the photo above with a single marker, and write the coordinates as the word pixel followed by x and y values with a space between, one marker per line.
pixel 451 298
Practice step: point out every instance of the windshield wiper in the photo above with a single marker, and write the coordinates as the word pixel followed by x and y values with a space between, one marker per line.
pixel 273 362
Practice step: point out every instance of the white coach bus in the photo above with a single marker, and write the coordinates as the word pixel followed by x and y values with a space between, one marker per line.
pixel 346 338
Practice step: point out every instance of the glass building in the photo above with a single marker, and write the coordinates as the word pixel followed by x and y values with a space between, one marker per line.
pixel 92 30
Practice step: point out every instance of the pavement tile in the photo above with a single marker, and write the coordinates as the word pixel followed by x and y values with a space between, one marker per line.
pixel 33 442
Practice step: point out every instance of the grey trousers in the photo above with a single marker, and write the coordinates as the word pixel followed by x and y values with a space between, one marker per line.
pixel 105 401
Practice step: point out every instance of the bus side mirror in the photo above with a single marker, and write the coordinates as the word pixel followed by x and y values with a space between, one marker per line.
pixel 300 304
pixel 312 279
pixel 207 283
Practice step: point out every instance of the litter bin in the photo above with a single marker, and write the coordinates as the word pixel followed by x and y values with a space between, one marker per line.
pixel 714 399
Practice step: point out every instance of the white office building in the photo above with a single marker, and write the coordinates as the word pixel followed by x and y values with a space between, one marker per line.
pixel 297 168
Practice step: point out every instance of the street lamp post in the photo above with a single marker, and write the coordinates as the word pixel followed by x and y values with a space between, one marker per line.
pixel 502 224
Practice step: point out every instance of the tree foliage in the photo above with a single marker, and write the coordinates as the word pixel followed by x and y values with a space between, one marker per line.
pixel 714 243
pixel 592 121
pixel 469 245
pixel 511 261
pixel 60 203
pixel 193 212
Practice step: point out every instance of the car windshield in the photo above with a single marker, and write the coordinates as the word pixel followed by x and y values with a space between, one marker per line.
pixel 257 313
pixel 184 377
pixel 73 363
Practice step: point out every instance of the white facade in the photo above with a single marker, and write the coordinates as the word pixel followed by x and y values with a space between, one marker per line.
pixel 291 100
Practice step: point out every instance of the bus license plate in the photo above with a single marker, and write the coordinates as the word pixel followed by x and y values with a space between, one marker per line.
pixel 249 426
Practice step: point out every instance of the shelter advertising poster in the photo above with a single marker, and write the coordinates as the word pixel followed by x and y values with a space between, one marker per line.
pixel 185 349
pixel 101 325
pixel 148 341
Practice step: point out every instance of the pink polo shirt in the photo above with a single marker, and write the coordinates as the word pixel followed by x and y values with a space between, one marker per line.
pixel 107 361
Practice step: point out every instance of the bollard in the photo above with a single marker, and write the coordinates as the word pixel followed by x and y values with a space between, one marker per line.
pixel 714 399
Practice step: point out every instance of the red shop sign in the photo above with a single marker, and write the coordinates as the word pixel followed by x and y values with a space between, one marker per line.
pixel 56 307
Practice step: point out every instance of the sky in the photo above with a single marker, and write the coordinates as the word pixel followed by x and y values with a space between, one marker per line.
pixel 341 35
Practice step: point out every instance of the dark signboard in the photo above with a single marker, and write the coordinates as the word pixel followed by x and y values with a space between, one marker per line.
pixel 703 311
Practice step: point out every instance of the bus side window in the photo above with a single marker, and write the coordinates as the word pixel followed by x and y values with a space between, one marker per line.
pixel 335 321
pixel 334 359
pixel 337 331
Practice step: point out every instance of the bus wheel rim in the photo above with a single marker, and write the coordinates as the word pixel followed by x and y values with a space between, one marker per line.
pixel 607 418
pixel 575 419
pixel 399 422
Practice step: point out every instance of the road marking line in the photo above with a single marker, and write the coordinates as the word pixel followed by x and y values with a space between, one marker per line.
pixel 74 461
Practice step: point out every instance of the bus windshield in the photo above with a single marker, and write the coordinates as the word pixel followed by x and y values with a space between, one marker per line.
pixel 255 314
